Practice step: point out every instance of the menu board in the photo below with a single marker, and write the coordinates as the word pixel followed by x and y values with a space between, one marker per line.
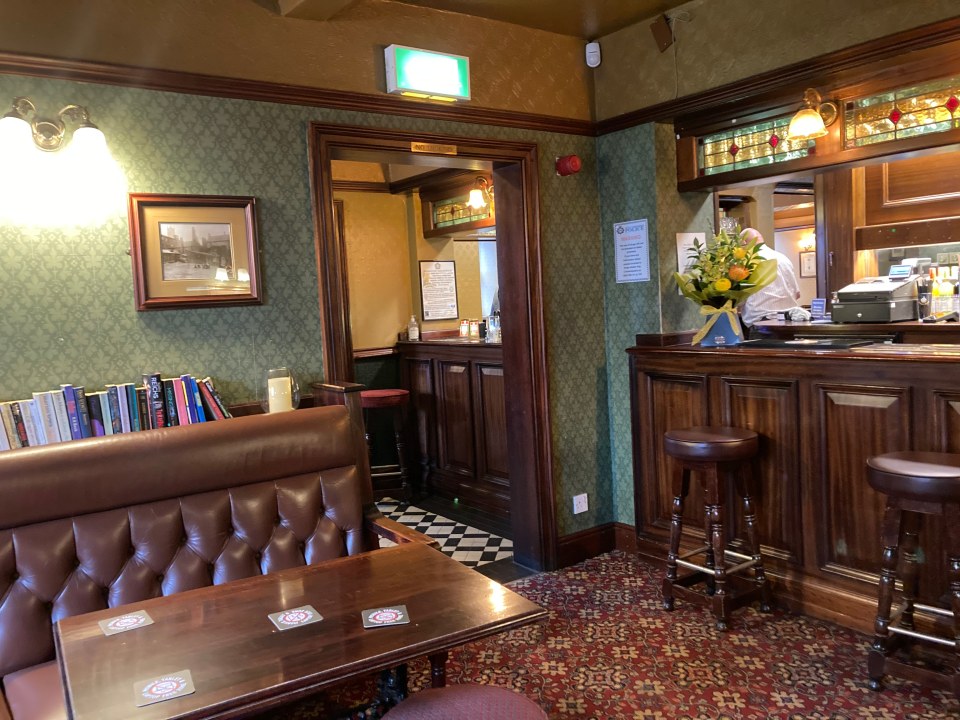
pixel 438 289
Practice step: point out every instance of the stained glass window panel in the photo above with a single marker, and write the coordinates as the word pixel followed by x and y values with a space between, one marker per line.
pixel 917 110
pixel 758 144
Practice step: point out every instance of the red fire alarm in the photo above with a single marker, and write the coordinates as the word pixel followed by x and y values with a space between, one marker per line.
pixel 568 165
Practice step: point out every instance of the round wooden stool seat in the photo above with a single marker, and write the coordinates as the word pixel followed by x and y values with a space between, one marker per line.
pixel 923 476
pixel 466 702
pixel 384 398
pixel 711 444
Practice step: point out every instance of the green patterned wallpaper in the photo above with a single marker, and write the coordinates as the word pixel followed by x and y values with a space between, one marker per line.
pixel 67 300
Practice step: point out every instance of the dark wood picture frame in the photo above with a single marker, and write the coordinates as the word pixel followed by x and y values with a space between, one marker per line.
pixel 808 264
pixel 174 271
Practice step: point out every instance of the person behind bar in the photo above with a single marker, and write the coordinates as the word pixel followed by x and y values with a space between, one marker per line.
pixel 778 299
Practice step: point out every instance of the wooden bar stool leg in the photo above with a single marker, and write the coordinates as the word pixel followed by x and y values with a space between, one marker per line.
pixel 909 542
pixel 714 494
pixel 744 479
pixel 890 537
pixel 681 486
pixel 951 514
pixel 398 437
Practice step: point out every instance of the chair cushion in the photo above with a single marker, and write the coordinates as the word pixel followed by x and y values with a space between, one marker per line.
pixel 467 702
pixel 924 476
pixel 383 398
pixel 711 444
pixel 36 693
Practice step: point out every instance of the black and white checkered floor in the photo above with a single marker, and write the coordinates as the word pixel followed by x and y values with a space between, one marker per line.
pixel 470 546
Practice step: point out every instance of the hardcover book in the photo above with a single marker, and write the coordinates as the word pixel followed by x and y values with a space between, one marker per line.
pixel 113 396
pixel 31 418
pixel 183 415
pixel 19 424
pixel 73 414
pixel 48 415
pixel 83 411
pixel 188 399
pixel 124 410
pixel 104 398
pixel 9 426
pixel 63 421
pixel 155 397
pixel 132 408
pixel 197 401
pixel 96 413
pixel 170 402
pixel 212 409
pixel 216 397
pixel 143 408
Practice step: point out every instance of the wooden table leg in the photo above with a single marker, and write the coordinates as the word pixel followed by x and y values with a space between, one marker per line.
pixel 438 669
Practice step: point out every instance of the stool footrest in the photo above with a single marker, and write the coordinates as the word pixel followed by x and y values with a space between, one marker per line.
pixel 922 636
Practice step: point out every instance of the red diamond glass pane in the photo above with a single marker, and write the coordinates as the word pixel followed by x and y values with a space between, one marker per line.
pixel 774 140
pixel 952 104
pixel 734 149
pixel 895 116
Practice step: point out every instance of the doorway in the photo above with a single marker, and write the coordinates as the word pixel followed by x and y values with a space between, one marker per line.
pixel 515 175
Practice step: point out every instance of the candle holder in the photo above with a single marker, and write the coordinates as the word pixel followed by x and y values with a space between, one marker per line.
pixel 281 391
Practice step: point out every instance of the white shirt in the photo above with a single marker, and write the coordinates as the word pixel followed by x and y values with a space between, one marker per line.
pixel 780 295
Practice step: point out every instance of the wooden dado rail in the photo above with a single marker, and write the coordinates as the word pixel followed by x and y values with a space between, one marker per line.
pixel 820 415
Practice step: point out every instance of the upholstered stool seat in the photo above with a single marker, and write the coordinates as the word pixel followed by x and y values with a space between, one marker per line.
pixel 718 455
pixel 916 484
pixel 389 480
pixel 467 702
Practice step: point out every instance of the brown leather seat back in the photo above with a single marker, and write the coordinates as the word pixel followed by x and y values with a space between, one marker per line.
pixel 98 523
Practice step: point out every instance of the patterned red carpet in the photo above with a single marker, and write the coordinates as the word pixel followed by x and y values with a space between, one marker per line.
pixel 609 652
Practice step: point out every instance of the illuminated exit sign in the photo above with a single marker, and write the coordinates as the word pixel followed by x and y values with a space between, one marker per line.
pixel 426 74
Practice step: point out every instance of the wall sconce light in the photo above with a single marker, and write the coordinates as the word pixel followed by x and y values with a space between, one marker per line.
pixel 48 133
pixel 482 191
pixel 808 243
pixel 64 174
pixel 812 120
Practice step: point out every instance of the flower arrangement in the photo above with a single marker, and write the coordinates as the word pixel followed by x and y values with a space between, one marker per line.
pixel 724 272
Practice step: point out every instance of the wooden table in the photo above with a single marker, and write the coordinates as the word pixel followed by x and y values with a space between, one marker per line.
pixel 241 663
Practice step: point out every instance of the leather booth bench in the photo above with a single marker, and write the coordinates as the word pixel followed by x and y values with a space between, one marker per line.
pixel 101 522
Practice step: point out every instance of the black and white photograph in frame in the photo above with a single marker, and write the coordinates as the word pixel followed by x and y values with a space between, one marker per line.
pixel 196 251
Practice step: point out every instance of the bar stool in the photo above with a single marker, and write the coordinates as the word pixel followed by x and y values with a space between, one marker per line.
pixel 916 484
pixel 396 401
pixel 718 455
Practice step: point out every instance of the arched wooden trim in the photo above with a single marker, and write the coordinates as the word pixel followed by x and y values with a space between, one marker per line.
pixel 524 339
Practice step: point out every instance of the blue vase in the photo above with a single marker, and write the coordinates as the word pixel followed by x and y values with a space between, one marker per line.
pixel 721 333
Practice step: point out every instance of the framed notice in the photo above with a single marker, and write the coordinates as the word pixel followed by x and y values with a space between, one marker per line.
pixel 438 289
pixel 632 256
pixel 808 264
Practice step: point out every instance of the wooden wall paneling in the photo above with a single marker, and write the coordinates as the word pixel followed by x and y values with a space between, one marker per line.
pixel 919 188
pixel 493 462
pixel 455 427
pixel 771 409
pixel 674 401
pixel 855 422
pixel 946 421
pixel 417 377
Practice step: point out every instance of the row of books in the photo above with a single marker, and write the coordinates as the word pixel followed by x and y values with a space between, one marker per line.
pixel 71 413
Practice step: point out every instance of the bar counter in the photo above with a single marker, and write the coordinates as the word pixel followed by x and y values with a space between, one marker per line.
pixel 820 414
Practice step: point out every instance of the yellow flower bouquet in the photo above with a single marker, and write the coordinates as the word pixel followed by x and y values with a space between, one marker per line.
pixel 722 273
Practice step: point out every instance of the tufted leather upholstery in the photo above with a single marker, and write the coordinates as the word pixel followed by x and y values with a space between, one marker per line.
pixel 102 522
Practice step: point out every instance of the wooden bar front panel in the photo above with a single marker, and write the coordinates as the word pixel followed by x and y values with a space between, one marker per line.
pixel 454 418
pixel 820 415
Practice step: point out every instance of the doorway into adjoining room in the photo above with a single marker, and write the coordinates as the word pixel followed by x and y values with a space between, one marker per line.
pixel 384 212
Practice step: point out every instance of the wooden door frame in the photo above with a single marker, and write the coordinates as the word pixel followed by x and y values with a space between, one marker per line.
pixel 533 507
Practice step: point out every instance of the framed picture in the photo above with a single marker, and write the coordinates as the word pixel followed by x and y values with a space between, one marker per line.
pixel 193 251
pixel 808 264
pixel 438 289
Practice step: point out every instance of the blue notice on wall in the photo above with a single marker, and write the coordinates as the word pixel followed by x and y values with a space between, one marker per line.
pixel 632 251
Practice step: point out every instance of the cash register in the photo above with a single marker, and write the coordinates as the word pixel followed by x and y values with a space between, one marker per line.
pixel 881 299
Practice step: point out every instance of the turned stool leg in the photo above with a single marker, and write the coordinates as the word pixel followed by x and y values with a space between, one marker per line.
pixel 951 514
pixel 744 481
pixel 890 537
pixel 713 497
pixel 909 542
pixel 398 437
pixel 681 486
